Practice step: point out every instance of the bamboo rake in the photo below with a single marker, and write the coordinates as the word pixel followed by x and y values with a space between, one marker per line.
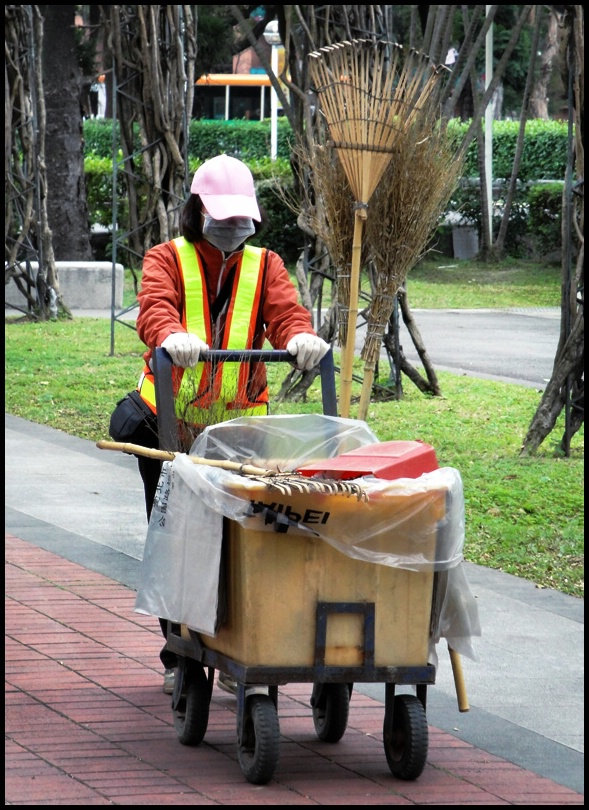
pixel 342 74
pixel 286 483
pixel 167 455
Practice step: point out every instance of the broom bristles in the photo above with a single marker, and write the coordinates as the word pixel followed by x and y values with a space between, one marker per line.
pixel 378 101
pixel 369 96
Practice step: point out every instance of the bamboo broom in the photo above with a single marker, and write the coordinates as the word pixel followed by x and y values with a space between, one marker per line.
pixel 406 208
pixel 369 93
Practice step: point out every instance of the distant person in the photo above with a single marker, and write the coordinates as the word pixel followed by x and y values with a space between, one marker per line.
pixel 97 96
pixel 101 100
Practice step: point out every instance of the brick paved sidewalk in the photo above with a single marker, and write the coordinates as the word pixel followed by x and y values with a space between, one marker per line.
pixel 87 722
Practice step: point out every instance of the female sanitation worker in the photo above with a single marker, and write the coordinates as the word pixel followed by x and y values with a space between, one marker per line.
pixel 209 289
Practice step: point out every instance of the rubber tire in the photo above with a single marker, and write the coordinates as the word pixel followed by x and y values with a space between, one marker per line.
pixel 191 717
pixel 257 752
pixel 331 716
pixel 406 742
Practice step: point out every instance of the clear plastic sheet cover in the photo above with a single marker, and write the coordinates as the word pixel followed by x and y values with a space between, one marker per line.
pixel 411 523
pixel 282 442
pixel 180 569
pixel 408 523
pixel 416 524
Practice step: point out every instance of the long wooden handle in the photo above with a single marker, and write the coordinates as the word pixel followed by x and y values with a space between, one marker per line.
pixel 167 455
pixel 461 695
pixel 348 351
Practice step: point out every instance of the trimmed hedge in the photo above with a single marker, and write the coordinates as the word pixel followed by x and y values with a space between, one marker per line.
pixel 535 213
pixel 545 209
pixel 544 155
pixel 246 140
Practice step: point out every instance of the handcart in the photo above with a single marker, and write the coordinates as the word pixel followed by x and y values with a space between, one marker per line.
pixel 298 610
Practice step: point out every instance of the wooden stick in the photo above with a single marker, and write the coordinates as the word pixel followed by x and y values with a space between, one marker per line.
pixel 350 346
pixel 366 391
pixel 285 483
pixel 166 455
pixel 461 695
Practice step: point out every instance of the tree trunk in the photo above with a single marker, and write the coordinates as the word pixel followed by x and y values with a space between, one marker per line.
pixel 66 190
pixel 566 386
pixel 430 385
pixel 568 367
pixel 27 234
pixel 154 100
pixel 502 234
pixel 539 94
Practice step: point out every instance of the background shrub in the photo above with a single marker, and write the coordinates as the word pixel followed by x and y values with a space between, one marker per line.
pixel 545 216
pixel 246 140
pixel 544 154
pixel 535 216
pixel 534 219
pixel 98 137
pixel 98 175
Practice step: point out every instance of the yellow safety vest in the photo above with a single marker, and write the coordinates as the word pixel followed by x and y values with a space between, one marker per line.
pixel 214 392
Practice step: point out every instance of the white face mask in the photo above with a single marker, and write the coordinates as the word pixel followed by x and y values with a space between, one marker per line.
pixel 227 234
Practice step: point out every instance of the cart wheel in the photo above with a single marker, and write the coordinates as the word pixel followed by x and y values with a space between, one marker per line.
pixel 406 737
pixel 191 715
pixel 331 706
pixel 257 750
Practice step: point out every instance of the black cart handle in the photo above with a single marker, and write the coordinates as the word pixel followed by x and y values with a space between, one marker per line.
pixel 164 398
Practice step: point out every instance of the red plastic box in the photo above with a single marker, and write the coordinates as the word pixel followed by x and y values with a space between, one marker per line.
pixel 388 460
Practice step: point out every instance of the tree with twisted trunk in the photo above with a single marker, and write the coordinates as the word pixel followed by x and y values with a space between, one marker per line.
pixel 153 52
pixel 29 259
pixel 566 387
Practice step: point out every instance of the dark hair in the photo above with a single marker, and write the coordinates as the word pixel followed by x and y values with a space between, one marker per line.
pixel 191 222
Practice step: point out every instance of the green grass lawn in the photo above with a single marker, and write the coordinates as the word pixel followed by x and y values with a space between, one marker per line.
pixel 453 284
pixel 524 516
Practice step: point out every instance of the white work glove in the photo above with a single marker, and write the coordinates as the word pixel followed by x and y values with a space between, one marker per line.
pixel 184 348
pixel 308 350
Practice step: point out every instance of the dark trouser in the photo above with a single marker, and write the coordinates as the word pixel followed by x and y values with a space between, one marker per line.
pixel 168 659
pixel 149 470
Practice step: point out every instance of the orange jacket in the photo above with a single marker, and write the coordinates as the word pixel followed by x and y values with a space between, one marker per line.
pixel 161 301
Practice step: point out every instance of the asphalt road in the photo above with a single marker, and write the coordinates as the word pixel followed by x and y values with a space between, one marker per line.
pixel 514 345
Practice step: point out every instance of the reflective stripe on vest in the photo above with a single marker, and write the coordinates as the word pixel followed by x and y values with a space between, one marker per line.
pixel 211 393
pixel 146 387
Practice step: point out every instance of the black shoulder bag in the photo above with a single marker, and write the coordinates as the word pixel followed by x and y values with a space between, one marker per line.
pixel 133 421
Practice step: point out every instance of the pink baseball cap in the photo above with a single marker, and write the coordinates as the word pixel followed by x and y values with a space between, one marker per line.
pixel 226 187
